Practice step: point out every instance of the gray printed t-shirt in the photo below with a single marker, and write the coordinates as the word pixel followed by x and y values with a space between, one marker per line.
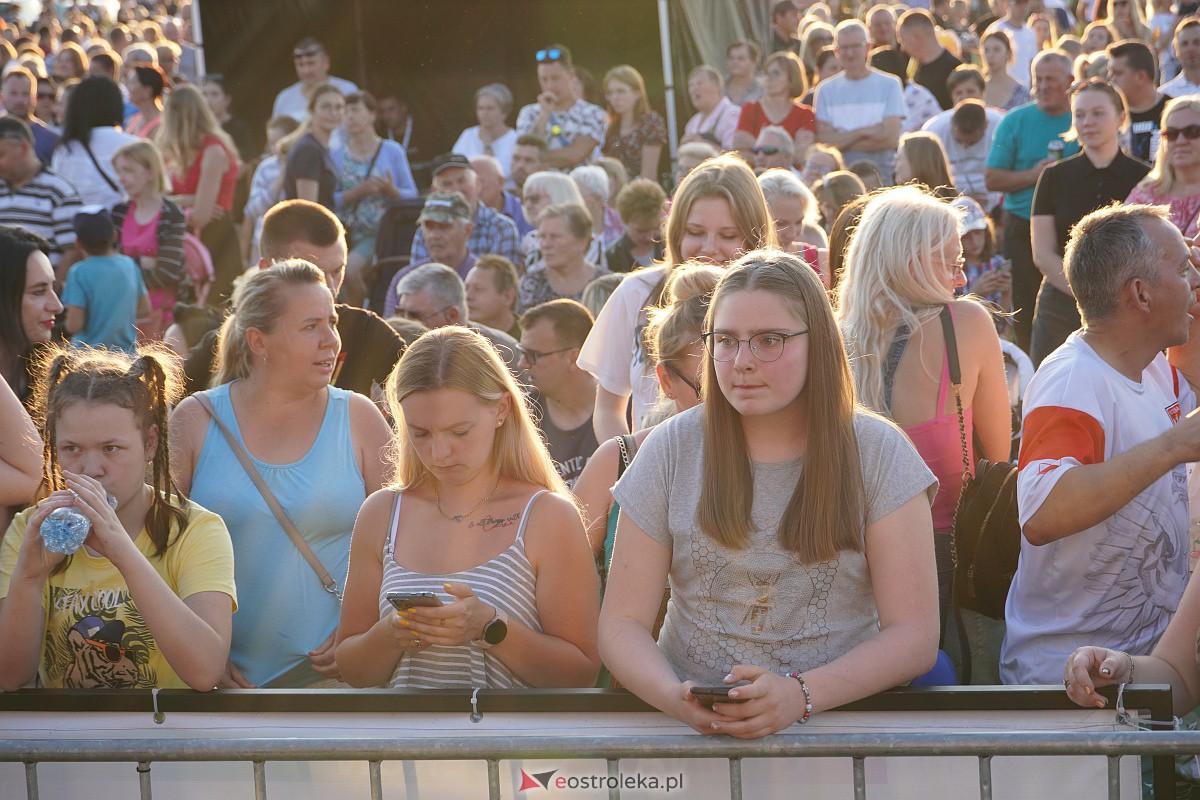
pixel 760 605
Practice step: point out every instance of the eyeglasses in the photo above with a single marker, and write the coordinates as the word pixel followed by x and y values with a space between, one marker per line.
pixel 532 356
pixel 766 346
pixel 1189 132
pixel 676 372
pixel 549 54
pixel 417 316
pixel 112 651
pixel 764 151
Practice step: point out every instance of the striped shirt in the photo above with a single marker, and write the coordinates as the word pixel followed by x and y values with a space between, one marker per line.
pixel 47 206
pixel 507 582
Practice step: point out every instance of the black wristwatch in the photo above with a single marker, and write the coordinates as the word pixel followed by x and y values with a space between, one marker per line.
pixel 495 631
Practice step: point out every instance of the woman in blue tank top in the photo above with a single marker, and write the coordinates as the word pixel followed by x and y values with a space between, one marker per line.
pixel 316 447
pixel 472 569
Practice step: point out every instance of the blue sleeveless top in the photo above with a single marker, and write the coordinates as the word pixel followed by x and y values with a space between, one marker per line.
pixel 284 611
pixel 507 581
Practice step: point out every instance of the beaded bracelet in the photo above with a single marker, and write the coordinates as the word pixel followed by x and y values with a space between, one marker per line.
pixel 808 708
pixel 1130 678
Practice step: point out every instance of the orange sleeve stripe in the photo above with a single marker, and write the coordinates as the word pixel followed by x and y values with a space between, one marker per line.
pixel 1052 433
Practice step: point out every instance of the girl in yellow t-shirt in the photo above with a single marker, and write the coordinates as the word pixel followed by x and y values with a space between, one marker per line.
pixel 148 599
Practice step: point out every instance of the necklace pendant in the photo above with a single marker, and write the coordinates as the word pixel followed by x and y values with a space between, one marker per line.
pixel 459 517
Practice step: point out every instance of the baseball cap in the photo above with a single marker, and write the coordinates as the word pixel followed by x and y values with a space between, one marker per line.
pixel 448 161
pixel 93 226
pixel 445 208
pixel 972 217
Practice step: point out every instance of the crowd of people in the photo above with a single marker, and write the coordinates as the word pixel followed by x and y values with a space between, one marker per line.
pixel 330 427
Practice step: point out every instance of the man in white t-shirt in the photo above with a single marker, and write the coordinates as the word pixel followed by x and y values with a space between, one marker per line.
pixel 312 69
pixel 859 111
pixel 1024 40
pixel 1109 427
pixel 1187 51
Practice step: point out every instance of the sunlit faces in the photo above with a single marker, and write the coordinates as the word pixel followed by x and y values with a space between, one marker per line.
pixel 312 65
pixel 788 213
pixel 559 246
pixel 1183 152
pixel 996 55
pixel 775 80
pixel 1173 289
pixel 533 201
pixel 1187 47
pixel 543 356
pixel 965 90
pixel 133 176
pixel 817 166
pixel 458 179
pixel 484 300
pixel 1052 81
pixel 488 112
pixel 739 63
pixel 752 386
pixel 138 92
pixel 852 50
pixel 303 344
pixel 445 241
pixel 679 377
pixel 425 309
pixel 39 303
pixel 949 261
pixel 972 245
pixel 18 96
pixel 642 235
pixel 214 95
pixel 555 79
pixel 328 112
pixel 104 441
pixel 452 431
pixel 331 260
pixel 703 92
pixel 526 160
pixel 1096 39
pixel 710 232
pixel 620 97
pixel 358 118
pixel 1096 118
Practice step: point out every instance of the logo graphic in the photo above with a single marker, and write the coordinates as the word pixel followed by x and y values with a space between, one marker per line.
pixel 1044 468
pixel 1174 412
pixel 538 780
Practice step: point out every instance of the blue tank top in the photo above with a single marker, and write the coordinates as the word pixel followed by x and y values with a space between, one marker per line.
pixel 283 609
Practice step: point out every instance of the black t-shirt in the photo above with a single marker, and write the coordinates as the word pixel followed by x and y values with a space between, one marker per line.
pixel 1073 188
pixel 892 61
pixel 243 137
pixel 569 449
pixel 370 349
pixel 309 159
pixel 934 74
pixel 1144 130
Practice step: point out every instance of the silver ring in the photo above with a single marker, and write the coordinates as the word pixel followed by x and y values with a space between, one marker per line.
pixel 416 643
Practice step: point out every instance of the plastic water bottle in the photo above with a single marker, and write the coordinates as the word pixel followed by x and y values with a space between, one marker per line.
pixel 66 528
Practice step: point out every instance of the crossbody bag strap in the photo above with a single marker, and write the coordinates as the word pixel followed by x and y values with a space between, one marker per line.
pixel 280 515
pixel 956 382
pixel 111 183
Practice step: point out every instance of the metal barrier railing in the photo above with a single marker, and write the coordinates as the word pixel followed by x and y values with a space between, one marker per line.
pixel 1154 703
pixel 857 747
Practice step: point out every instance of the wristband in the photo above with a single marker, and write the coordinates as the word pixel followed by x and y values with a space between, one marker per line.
pixel 808 706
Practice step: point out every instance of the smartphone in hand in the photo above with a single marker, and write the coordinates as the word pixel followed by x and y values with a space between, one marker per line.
pixel 405 601
pixel 707 695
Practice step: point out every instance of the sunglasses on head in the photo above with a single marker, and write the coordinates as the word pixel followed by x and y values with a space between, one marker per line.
pixel 1189 132
pixel 306 53
pixel 549 54
pixel 764 151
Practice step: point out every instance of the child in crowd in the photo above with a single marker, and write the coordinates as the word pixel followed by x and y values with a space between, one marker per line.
pixel 151 230
pixel 104 294
pixel 642 206
pixel 989 274
pixel 148 600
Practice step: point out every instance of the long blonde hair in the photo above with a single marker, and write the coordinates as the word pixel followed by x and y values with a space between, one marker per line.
pixel 186 123
pixel 891 278
pixel 725 176
pixel 827 511
pixel 454 357
pixel 1161 179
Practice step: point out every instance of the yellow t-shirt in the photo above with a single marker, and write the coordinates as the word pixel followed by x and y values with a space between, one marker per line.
pixel 95 634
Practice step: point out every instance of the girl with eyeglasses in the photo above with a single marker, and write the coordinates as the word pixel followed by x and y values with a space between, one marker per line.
pixel 816 585
pixel 1067 191
pixel 889 308
pixel 147 600
pixel 1175 179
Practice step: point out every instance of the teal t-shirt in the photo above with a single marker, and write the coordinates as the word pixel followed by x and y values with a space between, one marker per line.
pixel 108 288
pixel 1021 141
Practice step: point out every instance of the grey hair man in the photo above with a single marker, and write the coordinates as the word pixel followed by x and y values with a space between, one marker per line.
pixel 1102 486
pixel 435 296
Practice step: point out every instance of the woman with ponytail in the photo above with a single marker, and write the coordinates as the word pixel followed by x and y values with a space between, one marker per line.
pixel 148 599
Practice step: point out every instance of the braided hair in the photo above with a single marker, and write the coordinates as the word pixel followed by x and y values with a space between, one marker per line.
pixel 147 384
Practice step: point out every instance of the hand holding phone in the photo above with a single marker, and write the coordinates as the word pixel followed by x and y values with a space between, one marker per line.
pixel 406 601
pixel 707 695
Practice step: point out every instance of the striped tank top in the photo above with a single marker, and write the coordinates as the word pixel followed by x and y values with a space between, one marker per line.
pixel 506 582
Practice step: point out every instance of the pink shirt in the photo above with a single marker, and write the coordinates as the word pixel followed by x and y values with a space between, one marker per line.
pixel 139 240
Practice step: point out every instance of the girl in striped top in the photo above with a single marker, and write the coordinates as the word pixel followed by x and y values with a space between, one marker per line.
pixel 478 517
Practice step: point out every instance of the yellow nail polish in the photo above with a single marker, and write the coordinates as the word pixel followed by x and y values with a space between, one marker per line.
pixel 404 622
